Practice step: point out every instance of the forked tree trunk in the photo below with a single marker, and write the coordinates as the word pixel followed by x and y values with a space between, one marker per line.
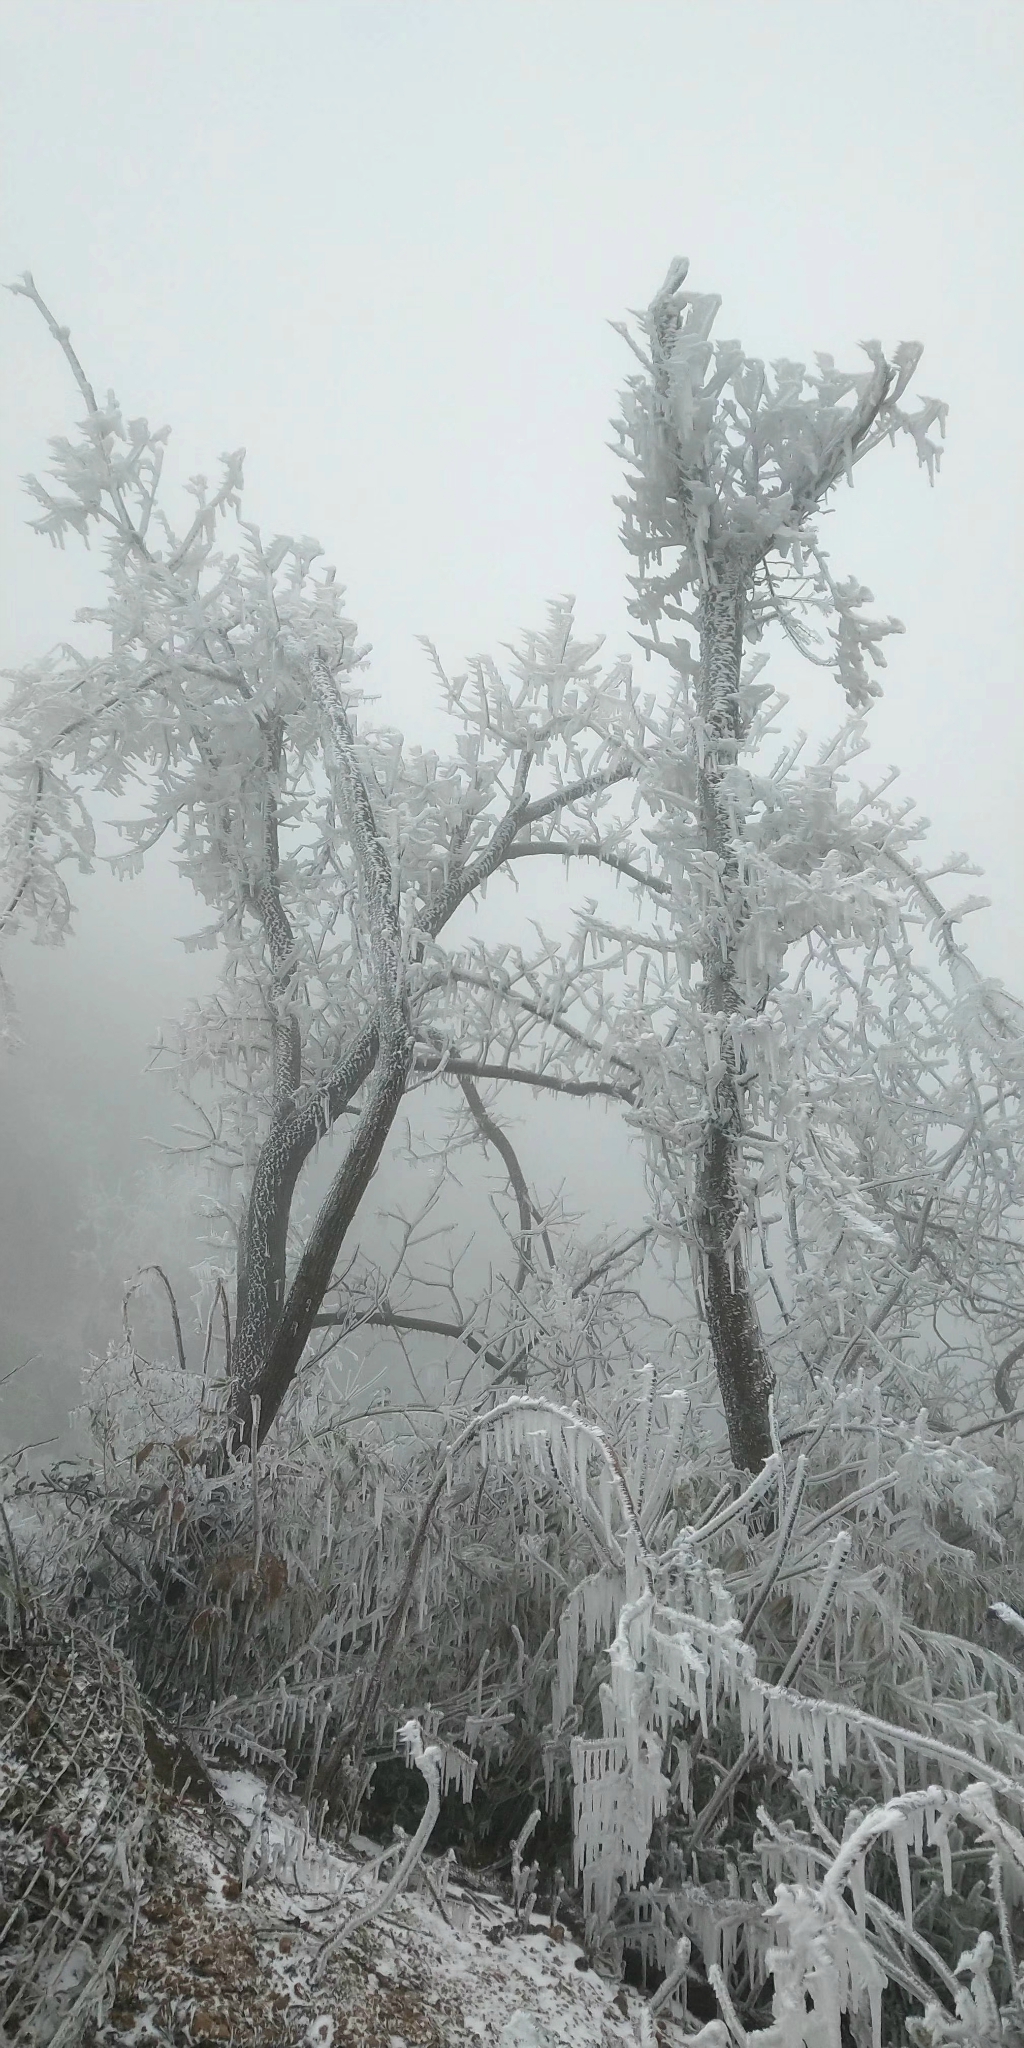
pixel 275 1317
pixel 286 1340
pixel 744 1372
pixel 275 1320
pixel 262 1252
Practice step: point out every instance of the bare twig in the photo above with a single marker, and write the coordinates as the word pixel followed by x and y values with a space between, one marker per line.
pixel 220 1296
pixel 132 1289
pixel 492 1134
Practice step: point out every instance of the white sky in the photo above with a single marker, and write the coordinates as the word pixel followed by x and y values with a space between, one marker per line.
pixel 379 245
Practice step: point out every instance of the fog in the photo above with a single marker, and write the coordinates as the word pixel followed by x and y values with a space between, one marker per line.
pixel 380 247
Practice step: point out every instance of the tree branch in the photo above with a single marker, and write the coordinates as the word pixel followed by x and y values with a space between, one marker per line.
pixel 608 860
pixel 492 1134
pixel 574 792
pixel 26 289
pixel 515 1365
pixel 544 1013
pixel 484 1071
pixel 1001 1382
pixel 385 1318
pixel 175 1318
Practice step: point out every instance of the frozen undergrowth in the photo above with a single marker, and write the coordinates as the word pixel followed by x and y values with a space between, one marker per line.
pixel 77 1826
pixel 132 1914
pixel 713 1694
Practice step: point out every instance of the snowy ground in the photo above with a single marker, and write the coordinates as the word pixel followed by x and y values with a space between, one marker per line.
pixel 233 1947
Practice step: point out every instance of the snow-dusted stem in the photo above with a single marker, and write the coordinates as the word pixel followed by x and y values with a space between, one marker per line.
pixel 428 1761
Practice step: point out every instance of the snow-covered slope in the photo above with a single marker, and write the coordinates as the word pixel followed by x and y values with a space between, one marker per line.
pixel 244 1941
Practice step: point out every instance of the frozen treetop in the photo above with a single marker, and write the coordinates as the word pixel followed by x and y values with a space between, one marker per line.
pixel 731 458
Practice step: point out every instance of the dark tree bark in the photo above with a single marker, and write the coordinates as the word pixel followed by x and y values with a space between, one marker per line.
pixel 263 1246
pixel 744 1372
pixel 337 1212
pixel 273 1329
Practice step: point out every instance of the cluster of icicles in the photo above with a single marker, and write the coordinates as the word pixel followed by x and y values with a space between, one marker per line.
pixel 753 1043
pixel 670 1663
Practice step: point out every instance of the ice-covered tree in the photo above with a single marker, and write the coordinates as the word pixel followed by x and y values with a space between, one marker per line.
pixel 332 857
pixel 837 1057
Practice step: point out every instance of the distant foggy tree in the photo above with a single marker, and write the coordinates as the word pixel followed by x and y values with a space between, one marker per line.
pixel 822 1062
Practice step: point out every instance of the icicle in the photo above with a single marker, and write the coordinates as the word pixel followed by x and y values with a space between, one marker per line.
pixel 683 1790
pixel 581 1448
pixel 875 2006
pixel 817 1746
pixel 568 1660
pixel 859 1883
pixel 837 1741
pixel 752 1716
pixel 901 1854
pixel 938 1831
pixel 946 1861
pixel 695 1265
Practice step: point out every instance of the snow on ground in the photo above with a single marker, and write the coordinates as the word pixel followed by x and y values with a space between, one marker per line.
pixel 441 1969
pixel 207 1917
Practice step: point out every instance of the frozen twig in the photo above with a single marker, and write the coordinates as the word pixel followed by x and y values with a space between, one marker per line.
pixel 428 1761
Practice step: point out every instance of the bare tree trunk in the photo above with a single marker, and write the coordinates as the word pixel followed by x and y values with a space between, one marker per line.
pixel 273 1329
pixel 274 1318
pixel 262 1253
pixel 745 1376
pixel 263 1248
pixel 287 1340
